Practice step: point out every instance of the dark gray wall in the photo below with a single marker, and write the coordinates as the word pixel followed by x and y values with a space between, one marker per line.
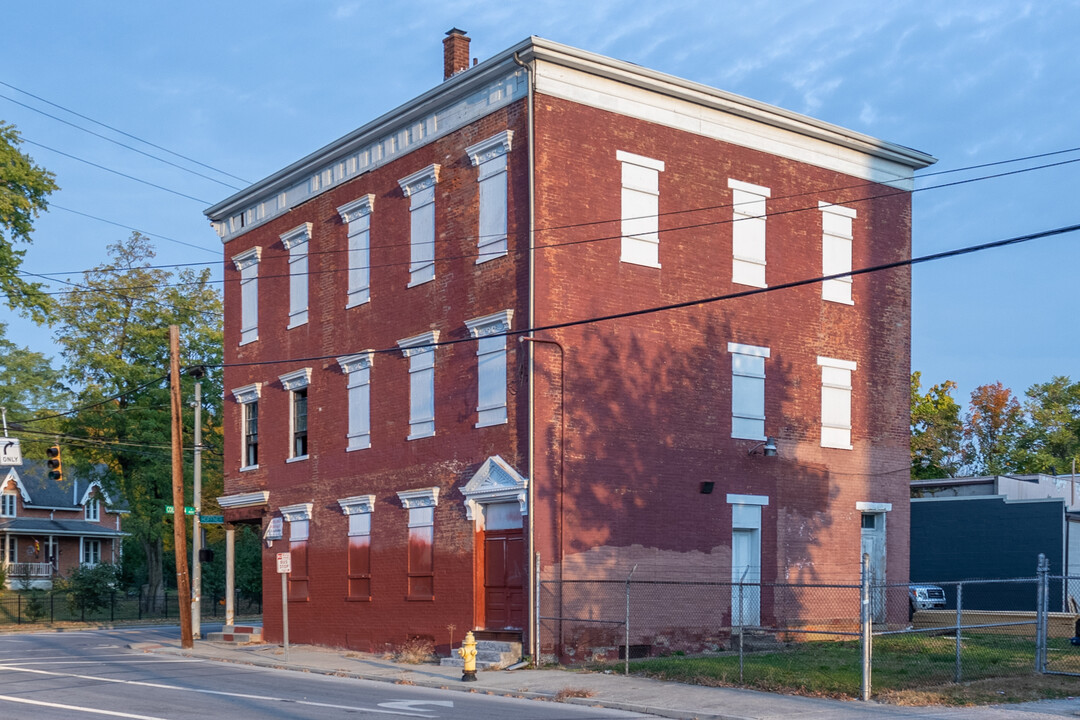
pixel 987 538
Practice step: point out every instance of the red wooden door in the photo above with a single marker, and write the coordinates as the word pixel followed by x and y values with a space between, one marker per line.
pixel 504 579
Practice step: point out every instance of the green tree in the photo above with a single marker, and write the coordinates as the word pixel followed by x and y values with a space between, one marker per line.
pixel 24 190
pixel 936 430
pixel 114 335
pixel 1051 442
pixel 30 388
pixel 90 588
pixel 993 429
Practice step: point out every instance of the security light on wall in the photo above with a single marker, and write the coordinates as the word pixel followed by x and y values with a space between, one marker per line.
pixel 768 447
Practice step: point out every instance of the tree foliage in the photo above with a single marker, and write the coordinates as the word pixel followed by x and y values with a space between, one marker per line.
pixel 30 388
pixel 89 588
pixel 24 192
pixel 114 335
pixel 936 430
pixel 1051 442
pixel 993 428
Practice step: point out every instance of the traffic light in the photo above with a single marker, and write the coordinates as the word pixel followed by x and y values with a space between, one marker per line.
pixel 56 472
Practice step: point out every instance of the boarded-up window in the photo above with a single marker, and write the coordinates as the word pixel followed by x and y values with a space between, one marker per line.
pixel 421 553
pixel 358 371
pixel 836 402
pixel 490 366
pixel 298 578
pixel 420 189
pixel 640 209
pixel 360 556
pixel 748 391
pixel 748 233
pixel 490 157
pixel 836 239
pixel 357 217
pixel 421 353
pixel 247 263
pixel 296 242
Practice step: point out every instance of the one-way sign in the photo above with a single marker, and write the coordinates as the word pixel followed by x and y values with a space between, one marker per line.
pixel 10 452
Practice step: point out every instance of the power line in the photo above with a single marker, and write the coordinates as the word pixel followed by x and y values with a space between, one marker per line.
pixel 107 400
pixel 711 223
pixel 114 293
pixel 125 134
pixel 700 301
pixel 607 221
pixel 117 142
pixel 53 205
pixel 115 172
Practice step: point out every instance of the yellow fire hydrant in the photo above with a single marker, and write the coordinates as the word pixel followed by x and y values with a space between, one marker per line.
pixel 467 651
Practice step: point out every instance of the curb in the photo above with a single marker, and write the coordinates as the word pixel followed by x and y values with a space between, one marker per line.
pixel 475 688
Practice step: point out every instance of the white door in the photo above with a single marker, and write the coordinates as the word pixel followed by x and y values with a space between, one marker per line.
pixel 745 577
pixel 873 544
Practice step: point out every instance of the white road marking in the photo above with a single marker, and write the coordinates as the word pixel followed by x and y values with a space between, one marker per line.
pixel 23 663
pixel 412 704
pixel 223 693
pixel 76 708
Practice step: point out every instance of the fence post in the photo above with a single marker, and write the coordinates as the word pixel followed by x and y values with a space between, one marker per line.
pixel 52 606
pixel 742 604
pixel 626 652
pixel 959 624
pixel 18 609
pixel 112 606
pixel 1042 597
pixel 867 630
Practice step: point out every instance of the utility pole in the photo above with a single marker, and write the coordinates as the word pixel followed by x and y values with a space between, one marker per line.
pixel 179 521
pixel 196 527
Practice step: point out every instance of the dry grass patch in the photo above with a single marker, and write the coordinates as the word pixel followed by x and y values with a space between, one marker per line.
pixel 415 651
pixel 570 692
pixel 983 692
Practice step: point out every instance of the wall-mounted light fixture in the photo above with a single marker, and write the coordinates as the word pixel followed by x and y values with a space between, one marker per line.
pixel 768 447
pixel 707 487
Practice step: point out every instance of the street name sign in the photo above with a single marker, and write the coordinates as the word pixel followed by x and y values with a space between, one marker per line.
pixel 212 519
pixel 188 510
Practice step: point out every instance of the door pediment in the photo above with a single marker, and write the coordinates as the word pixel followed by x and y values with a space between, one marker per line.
pixel 495 481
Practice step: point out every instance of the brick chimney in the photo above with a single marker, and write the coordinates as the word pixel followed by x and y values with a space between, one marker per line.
pixel 455 53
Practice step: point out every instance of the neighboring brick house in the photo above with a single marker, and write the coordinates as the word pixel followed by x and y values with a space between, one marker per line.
pixel 49 527
pixel 385 424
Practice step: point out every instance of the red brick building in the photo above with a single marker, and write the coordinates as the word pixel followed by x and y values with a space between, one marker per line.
pixel 445 366
pixel 49 527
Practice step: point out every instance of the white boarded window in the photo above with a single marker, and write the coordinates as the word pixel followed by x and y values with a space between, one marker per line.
pixel 421 354
pixel 836 239
pixel 836 402
pixel 247 263
pixel 358 509
pixel 296 242
pixel 748 233
pixel 748 391
pixel 357 218
pixel 490 157
pixel 491 366
pixel 640 209
pixel 357 369
pixel 420 189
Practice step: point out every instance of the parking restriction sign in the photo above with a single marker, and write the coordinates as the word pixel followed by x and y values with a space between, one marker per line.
pixel 284 562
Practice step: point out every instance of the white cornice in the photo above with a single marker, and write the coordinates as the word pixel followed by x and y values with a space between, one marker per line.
pixel 364 205
pixel 359 361
pixel 562 69
pixel 491 148
pixel 427 497
pixel 293 513
pixel 247 258
pixel 490 324
pixel 419 343
pixel 296 380
pixel 241 500
pixel 248 393
pixel 298 235
pixel 358 504
pixel 420 180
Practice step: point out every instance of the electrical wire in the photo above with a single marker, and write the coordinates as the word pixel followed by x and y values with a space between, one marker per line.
pixel 117 142
pixel 125 134
pixel 107 400
pixel 114 172
pixel 217 252
pixel 956 252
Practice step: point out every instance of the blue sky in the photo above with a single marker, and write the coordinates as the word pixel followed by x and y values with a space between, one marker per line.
pixel 248 87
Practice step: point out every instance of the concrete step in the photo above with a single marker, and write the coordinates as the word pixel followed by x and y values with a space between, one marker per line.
pixel 237 634
pixel 490 655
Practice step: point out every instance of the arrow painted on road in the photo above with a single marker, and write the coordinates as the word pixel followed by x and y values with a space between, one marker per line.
pixel 414 705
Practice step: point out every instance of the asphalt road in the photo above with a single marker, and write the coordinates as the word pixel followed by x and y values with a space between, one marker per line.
pixel 92 674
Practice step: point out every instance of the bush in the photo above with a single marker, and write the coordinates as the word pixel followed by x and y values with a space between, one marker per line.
pixel 90 588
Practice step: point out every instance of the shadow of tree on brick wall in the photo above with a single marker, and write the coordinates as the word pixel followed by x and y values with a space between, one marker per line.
pixel 648 423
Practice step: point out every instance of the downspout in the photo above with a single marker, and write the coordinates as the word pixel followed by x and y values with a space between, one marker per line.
pixel 534 621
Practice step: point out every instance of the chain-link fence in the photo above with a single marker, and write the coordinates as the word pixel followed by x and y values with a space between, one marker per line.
pixel 835 639
pixel 57 606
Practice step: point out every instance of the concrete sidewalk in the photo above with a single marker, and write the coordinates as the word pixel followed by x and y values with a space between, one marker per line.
pixel 611 690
